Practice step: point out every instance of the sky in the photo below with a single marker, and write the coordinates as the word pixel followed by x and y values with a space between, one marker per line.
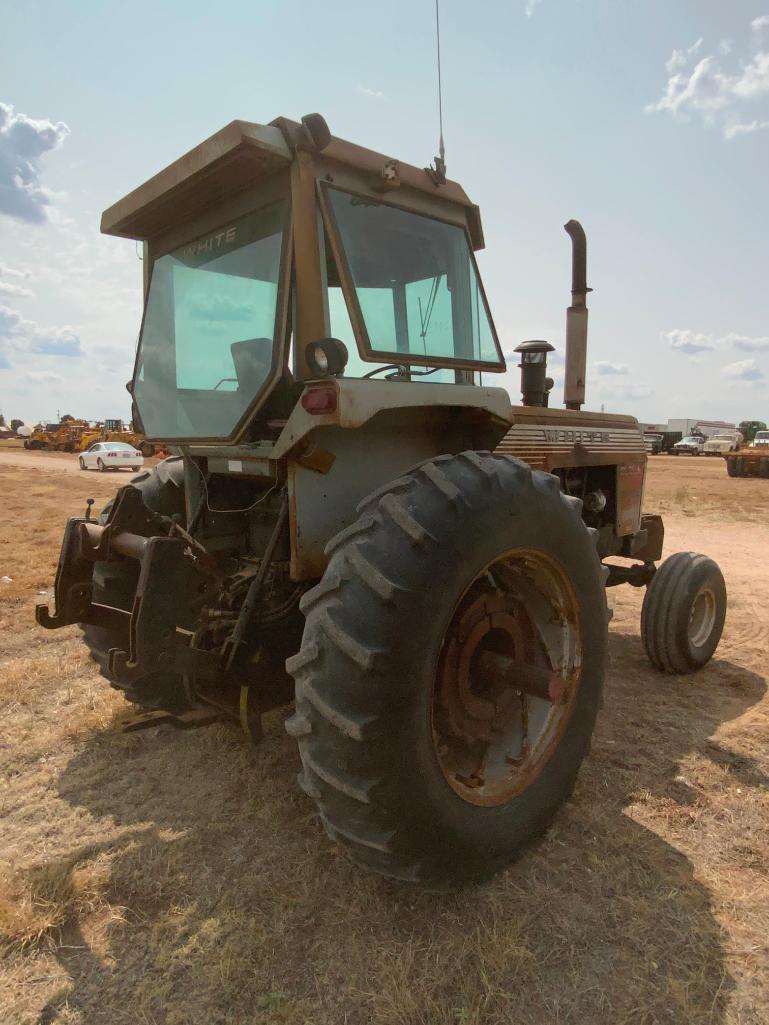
pixel 647 120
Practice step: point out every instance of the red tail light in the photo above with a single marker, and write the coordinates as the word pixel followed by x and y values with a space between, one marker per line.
pixel 319 400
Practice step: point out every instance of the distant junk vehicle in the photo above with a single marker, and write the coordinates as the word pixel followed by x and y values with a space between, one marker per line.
pixel 653 443
pixel 358 524
pixel 749 429
pixel 751 460
pixel 721 444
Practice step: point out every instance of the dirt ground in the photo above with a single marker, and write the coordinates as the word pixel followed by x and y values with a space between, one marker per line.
pixel 55 462
pixel 169 878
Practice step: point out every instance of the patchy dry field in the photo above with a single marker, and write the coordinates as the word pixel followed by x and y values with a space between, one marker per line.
pixel 175 878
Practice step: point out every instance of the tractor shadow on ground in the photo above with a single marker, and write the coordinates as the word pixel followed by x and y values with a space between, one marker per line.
pixel 241 910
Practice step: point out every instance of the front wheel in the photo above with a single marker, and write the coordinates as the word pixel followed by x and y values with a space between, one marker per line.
pixel 683 613
pixel 81 463
pixel 451 668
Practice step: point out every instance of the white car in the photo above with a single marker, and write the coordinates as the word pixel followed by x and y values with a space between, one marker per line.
pixel 111 455
pixel 691 445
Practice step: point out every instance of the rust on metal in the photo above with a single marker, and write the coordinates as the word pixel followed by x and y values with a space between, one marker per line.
pixel 499 655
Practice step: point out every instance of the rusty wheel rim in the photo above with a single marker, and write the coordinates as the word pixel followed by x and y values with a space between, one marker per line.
pixel 507 677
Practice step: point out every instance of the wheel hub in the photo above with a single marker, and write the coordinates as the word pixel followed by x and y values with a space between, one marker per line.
pixel 506 678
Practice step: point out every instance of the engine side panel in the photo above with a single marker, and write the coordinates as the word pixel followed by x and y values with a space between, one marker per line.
pixel 561 441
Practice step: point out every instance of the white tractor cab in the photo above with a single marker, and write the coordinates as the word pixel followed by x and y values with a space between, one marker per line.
pixel 692 445
pixel 720 444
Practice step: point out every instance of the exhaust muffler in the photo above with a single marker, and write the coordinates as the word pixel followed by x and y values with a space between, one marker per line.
pixel 576 320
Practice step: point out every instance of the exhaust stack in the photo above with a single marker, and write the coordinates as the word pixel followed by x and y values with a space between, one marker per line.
pixel 576 320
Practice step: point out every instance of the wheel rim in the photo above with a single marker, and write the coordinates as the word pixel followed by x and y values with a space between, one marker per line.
pixel 507 677
pixel 702 618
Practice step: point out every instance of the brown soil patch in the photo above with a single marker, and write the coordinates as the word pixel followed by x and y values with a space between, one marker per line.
pixel 182 879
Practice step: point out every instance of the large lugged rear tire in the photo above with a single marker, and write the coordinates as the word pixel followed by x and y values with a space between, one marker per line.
pixel 449 541
pixel 114 583
pixel 683 613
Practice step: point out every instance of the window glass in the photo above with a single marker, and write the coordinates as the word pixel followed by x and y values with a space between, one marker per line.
pixel 341 328
pixel 206 347
pixel 416 284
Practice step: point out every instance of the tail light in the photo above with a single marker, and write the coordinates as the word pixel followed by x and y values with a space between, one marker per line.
pixel 319 400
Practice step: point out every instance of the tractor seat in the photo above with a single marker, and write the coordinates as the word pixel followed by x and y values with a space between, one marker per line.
pixel 252 359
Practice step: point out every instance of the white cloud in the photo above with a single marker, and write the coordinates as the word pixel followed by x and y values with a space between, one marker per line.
pixel 374 94
pixel 23 143
pixel 731 131
pixel 680 58
pixel 42 377
pixel 690 342
pixel 12 272
pixel 18 335
pixel 704 91
pixel 606 369
pixel 744 370
pixel 709 91
pixel 760 23
pixel 745 343
pixel 18 291
pixel 530 7
pixel 611 391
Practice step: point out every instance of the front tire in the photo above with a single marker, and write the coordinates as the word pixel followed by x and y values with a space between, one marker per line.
pixel 81 463
pixel 683 613
pixel 390 702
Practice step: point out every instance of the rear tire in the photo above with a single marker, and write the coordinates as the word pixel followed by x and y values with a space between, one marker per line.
pixel 374 647
pixel 763 467
pixel 731 467
pixel 114 583
pixel 100 466
pixel 683 613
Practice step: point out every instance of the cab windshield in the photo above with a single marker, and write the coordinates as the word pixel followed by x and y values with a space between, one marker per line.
pixel 207 343
pixel 412 285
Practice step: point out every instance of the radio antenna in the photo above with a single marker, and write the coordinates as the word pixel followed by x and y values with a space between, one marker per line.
pixel 438 170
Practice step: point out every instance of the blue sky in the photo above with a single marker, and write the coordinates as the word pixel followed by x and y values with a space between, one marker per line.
pixel 647 120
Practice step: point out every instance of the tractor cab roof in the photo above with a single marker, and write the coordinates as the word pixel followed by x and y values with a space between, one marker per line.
pixel 241 154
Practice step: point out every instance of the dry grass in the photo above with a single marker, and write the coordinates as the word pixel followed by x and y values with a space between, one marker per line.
pixel 182 879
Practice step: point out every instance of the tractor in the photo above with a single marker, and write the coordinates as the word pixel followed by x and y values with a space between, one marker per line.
pixel 351 520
